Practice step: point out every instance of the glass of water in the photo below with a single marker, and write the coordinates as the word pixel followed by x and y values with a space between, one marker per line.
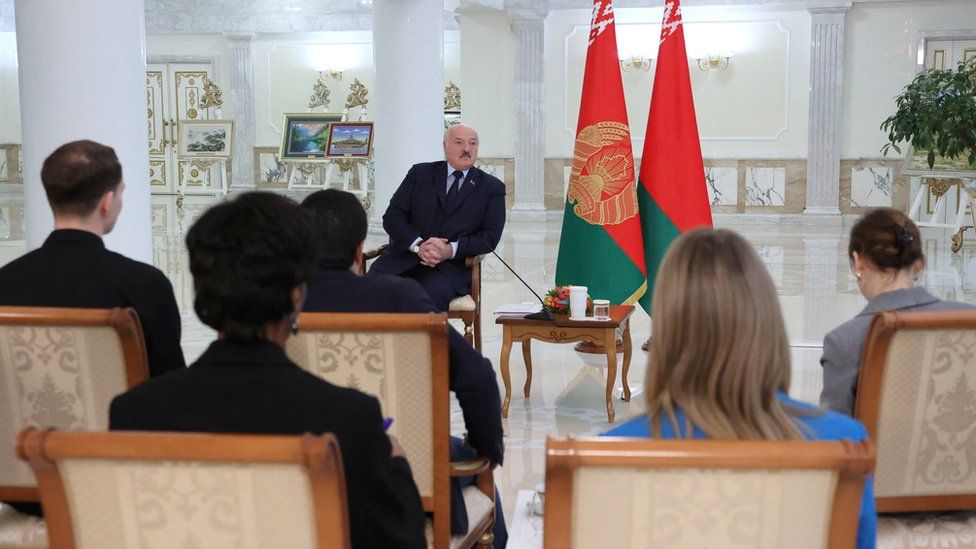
pixel 601 309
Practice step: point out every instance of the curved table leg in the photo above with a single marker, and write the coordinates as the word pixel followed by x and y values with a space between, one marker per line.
pixel 610 342
pixel 506 377
pixel 628 348
pixel 527 356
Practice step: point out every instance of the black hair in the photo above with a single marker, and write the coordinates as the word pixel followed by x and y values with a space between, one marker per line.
pixel 246 257
pixel 888 238
pixel 78 174
pixel 340 226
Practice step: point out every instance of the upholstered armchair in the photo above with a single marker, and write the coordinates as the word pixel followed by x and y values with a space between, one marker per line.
pixel 402 360
pixel 60 368
pixel 916 394
pixel 131 489
pixel 628 492
pixel 466 308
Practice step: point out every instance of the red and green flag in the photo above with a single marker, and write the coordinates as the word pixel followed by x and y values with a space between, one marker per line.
pixel 601 245
pixel 672 194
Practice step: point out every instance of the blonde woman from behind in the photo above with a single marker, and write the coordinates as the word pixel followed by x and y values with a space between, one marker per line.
pixel 719 365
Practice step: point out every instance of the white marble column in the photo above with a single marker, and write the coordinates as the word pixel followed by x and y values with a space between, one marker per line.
pixel 826 106
pixel 82 72
pixel 530 113
pixel 242 107
pixel 408 56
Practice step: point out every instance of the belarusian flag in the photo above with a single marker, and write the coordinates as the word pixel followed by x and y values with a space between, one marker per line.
pixel 601 245
pixel 672 194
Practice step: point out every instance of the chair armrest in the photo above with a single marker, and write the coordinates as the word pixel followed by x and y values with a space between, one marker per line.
pixel 374 253
pixel 470 262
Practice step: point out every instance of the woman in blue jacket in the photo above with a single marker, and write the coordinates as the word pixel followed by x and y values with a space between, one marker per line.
pixel 719 363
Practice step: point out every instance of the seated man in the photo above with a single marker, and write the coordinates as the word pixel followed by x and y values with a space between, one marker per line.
pixel 341 231
pixel 442 213
pixel 83 182
pixel 250 262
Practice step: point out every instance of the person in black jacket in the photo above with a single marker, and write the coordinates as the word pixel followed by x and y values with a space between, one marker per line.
pixel 83 182
pixel 250 260
pixel 441 214
pixel 340 233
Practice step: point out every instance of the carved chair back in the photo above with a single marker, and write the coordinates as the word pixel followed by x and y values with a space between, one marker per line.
pixel 61 368
pixel 916 394
pixel 133 489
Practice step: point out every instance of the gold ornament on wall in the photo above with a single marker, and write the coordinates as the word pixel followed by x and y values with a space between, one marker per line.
pixel 452 97
pixel 320 94
pixel 212 95
pixel 357 95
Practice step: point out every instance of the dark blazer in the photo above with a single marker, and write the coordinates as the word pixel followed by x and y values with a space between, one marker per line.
pixel 472 377
pixel 73 269
pixel 843 347
pixel 418 209
pixel 254 388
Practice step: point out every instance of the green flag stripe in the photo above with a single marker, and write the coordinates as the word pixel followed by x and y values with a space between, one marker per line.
pixel 590 257
pixel 659 232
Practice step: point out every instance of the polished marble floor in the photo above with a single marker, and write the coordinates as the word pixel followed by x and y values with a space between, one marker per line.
pixel 807 263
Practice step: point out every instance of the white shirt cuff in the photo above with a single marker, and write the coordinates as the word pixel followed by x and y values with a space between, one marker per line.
pixel 453 249
pixel 415 242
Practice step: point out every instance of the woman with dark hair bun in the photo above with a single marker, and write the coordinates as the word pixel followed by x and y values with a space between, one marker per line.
pixel 250 262
pixel 886 256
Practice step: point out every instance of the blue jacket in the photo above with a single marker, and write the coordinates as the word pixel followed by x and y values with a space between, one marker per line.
pixel 826 426
pixel 418 209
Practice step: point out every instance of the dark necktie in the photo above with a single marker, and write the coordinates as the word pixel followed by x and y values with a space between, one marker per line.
pixel 452 192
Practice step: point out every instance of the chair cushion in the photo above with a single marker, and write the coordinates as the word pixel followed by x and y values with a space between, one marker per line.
pixel 21 531
pixel 463 303
pixel 479 508
pixel 955 529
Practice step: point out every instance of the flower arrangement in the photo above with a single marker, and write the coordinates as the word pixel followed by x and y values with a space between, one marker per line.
pixel 557 301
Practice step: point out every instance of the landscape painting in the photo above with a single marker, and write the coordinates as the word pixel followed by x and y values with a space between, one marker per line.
pixel 306 136
pixel 206 138
pixel 350 139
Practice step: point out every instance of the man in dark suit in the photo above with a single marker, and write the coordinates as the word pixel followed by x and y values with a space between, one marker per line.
pixel 83 182
pixel 442 213
pixel 251 259
pixel 340 234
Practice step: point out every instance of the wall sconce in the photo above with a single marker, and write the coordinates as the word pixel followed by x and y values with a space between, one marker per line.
pixel 712 61
pixel 635 63
pixel 333 73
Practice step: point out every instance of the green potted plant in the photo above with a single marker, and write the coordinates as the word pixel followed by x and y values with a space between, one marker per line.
pixel 937 115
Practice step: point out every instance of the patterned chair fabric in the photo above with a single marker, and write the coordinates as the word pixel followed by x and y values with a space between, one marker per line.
pixel 953 530
pixel 392 366
pixel 19 531
pixel 156 490
pixel 917 397
pixel 61 368
pixel 630 493
pixel 401 359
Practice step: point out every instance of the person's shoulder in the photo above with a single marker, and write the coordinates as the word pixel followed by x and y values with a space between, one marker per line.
pixel 489 180
pixel 148 391
pixel 954 306
pixel 850 331
pixel 135 271
pixel 26 263
pixel 426 167
pixel 826 424
pixel 638 427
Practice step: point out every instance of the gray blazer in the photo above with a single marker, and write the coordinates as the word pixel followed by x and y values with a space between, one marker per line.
pixel 843 347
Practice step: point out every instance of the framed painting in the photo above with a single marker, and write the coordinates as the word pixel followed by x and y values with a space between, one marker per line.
pixel 350 139
pixel 305 136
pixel 206 138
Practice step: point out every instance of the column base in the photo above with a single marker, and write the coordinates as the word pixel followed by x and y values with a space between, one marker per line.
pixel 822 216
pixel 527 212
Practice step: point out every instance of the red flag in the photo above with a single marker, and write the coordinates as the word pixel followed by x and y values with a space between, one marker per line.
pixel 672 194
pixel 601 245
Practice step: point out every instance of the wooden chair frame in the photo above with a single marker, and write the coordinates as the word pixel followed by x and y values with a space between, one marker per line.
pixel 854 461
pixel 126 324
pixel 471 319
pixel 319 455
pixel 867 401
pixel 435 325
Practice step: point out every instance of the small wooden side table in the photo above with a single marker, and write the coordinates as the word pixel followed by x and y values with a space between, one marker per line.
pixel 601 332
